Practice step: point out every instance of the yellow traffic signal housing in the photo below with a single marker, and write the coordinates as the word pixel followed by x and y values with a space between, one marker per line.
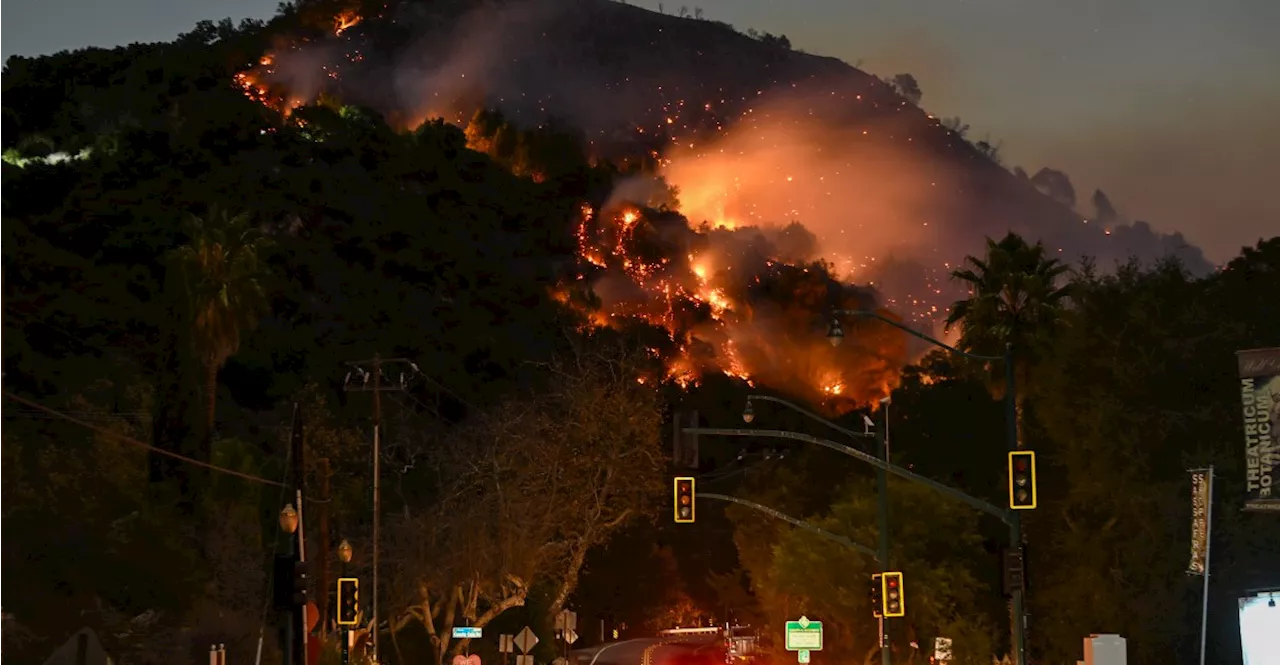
pixel 683 500
pixel 1022 479
pixel 348 601
pixel 895 599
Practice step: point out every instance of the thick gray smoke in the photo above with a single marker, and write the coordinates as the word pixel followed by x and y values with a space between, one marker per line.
pixel 751 133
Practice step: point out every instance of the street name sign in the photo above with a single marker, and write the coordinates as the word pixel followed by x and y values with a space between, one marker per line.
pixel 467 632
pixel 804 635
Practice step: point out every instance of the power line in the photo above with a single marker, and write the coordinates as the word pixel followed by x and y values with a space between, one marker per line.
pixel 135 442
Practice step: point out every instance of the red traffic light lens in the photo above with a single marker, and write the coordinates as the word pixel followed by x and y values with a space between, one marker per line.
pixel 1020 465
pixel 685 488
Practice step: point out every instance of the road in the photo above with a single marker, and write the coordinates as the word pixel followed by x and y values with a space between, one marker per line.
pixel 644 650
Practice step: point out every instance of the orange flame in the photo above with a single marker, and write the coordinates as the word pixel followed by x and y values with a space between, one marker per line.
pixel 693 301
pixel 630 272
pixel 344 20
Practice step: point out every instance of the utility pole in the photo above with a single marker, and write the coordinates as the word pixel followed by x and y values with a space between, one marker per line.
pixel 362 374
pixel 324 552
pixel 3 394
pixel 299 619
pixel 4 397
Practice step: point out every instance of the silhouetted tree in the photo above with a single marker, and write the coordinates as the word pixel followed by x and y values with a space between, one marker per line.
pixel 221 273
pixel 906 85
pixel 1103 211
pixel 1056 185
pixel 956 126
pixel 1015 298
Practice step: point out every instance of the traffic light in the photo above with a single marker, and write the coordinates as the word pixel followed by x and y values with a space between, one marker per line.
pixel 876 594
pixel 299 583
pixel 1022 479
pixel 348 601
pixel 684 500
pixel 895 602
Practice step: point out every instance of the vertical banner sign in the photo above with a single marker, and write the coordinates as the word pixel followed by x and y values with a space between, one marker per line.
pixel 1199 521
pixel 1260 399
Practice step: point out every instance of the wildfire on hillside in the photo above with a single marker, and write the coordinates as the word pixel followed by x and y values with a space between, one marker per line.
pixel 263 81
pixel 730 294
pixel 727 305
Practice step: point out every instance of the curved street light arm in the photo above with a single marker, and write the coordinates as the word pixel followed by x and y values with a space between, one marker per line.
pixel 952 492
pixel 812 416
pixel 794 522
pixel 907 329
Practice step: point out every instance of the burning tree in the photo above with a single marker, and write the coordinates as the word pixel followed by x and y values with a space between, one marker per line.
pixel 525 490
pixel 729 302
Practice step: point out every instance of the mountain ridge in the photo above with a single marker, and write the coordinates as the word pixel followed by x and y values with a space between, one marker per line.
pixel 611 69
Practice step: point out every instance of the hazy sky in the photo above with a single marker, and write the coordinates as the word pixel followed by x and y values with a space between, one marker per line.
pixel 1171 106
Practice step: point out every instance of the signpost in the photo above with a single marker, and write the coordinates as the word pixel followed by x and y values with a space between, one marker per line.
pixel 804 636
pixel 506 645
pixel 525 640
pixel 566 624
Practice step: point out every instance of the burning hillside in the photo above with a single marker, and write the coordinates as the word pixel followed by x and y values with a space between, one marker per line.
pixel 728 302
pixel 756 139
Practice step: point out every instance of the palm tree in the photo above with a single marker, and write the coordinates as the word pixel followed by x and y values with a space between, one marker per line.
pixel 221 275
pixel 1014 298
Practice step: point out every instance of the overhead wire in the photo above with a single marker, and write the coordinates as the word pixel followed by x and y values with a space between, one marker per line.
pixel 134 442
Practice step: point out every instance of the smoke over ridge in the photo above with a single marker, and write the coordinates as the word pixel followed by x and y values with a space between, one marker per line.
pixel 754 137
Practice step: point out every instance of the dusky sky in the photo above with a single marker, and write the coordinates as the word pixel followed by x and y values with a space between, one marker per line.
pixel 1169 106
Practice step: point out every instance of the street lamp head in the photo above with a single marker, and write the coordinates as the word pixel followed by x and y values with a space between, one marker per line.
pixel 748 413
pixel 288 519
pixel 835 334
pixel 344 551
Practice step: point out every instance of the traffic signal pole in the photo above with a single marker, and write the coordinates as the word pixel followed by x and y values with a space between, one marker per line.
pixel 882 510
pixel 1017 602
pixel 1018 619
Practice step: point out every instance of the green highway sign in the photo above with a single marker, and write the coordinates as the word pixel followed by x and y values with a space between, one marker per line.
pixel 804 635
